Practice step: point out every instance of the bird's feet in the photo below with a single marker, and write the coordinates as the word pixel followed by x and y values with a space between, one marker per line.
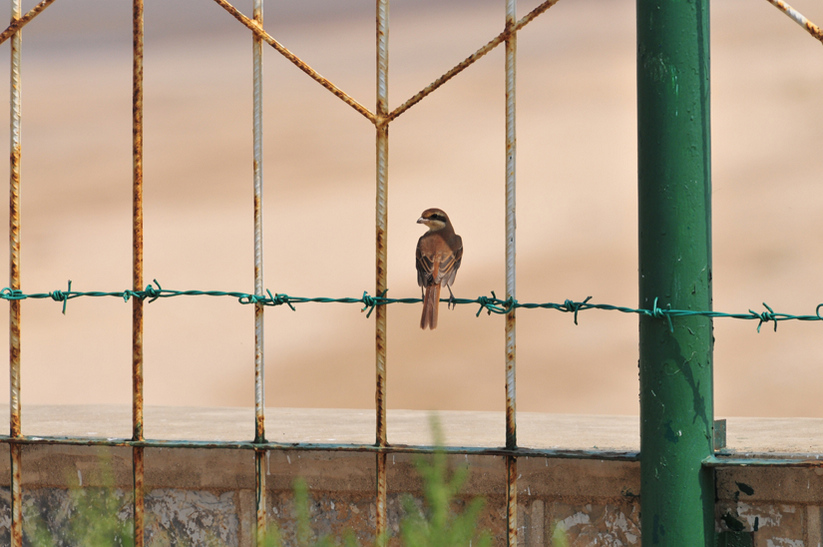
pixel 452 304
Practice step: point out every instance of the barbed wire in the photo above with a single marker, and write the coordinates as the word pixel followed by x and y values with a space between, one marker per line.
pixel 491 304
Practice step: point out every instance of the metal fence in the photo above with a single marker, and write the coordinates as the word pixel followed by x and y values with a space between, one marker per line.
pixel 380 117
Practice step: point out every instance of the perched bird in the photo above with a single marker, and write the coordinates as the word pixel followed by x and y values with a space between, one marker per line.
pixel 438 256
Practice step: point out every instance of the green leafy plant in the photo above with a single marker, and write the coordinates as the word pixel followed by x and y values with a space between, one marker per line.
pixel 438 523
pixel 305 536
pixel 99 516
pixel 559 537
pixel 91 518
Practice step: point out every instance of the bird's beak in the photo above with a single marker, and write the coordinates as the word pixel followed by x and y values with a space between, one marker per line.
pixel 421 220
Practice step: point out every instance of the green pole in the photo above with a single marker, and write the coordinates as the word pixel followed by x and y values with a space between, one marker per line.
pixel 674 209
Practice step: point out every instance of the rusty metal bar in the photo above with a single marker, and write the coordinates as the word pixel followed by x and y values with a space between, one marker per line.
pixel 14 280
pixel 137 268
pixel 19 23
pixel 295 60
pixel 470 60
pixel 610 455
pixel 259 333
pixel 381 254
pixel 511 144
pixel 137 221
pixel 16 496
pixel 14 222
pixel 798 18
pixel 511 271
pixel 139 504
pixel 259 290
pixel 260 496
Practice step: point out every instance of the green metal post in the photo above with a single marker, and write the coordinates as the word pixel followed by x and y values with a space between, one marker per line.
pixel 674 209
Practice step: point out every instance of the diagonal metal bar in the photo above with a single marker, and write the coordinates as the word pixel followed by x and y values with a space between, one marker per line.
pixel 798 18
pixel 295 60
pixel 470 60
pixel 17 24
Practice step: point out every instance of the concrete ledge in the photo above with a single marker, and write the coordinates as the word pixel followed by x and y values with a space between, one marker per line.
pixel 308 425
pixel 210 491
pixel 746 436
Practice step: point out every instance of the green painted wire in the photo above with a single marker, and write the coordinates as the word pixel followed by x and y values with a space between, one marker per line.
pixel 491 304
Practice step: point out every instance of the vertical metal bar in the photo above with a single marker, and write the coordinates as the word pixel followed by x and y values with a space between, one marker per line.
pixel 259 365
pixel 260 496
pixel 137 267
pixel 259 355
pixel 137 222
pixel 139 502
pixel 14 280
pixel 16 495
pixel 511 271
pixel 674 215
pixel 381 222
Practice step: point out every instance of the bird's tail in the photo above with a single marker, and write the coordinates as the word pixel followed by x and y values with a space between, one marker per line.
pixel 431 302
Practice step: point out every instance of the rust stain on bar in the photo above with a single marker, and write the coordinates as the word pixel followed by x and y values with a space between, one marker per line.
pixel 259 331
pixel 257 179
pixel 381 255
pixel 380 343
pixel 295 60
pixel 511 500
pixel 511 271
pixel 16 496
pixel 470 60
pixel 15 160
pixel 510 215
pixel 19 23
pixel 14 282
pixel 137 270
pixel 137 219
pixel 799 18
pixel 381 501
pixel 814 30
pixel 381 213
pixel 139 499
pixel 259 418
pixel 260 496
pixel 259 372
pixel 511 400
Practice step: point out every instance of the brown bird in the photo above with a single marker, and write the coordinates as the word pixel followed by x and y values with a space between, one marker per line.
pixel 438 256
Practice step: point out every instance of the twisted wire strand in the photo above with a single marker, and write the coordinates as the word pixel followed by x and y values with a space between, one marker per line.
pixel 490 304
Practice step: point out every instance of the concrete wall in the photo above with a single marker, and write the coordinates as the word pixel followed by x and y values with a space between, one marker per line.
pixel 194 496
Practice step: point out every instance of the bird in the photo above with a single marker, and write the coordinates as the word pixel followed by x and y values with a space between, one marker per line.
pixel 438 256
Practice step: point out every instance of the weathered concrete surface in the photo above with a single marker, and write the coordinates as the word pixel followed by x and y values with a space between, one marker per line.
pixel 201 495
pixel 461 428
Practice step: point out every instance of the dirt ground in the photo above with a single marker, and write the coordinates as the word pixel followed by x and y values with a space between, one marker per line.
pixel 576 224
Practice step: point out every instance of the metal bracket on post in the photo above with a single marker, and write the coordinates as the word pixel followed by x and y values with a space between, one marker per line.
pixel 719 434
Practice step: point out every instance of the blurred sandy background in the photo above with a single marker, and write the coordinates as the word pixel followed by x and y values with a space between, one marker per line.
pixel 576 204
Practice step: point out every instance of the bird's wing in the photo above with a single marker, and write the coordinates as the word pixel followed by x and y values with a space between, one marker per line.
pixel 450 263
pixel 424 265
